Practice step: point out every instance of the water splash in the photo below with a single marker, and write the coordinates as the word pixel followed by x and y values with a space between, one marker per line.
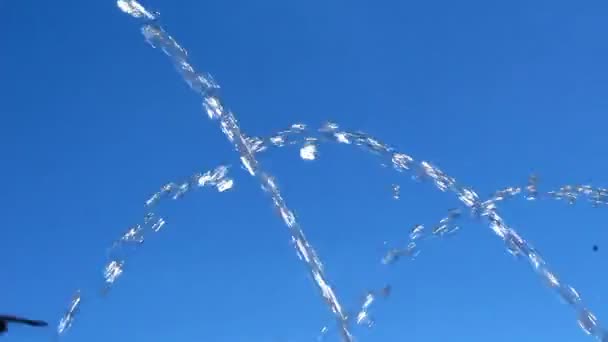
pixel 204 85
pixel 514 243
pixel 424 171
pixel 135 236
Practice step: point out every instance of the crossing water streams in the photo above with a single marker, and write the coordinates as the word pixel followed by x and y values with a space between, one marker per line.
pixel 309 140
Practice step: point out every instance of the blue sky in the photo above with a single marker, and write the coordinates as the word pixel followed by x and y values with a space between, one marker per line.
pixel 94 121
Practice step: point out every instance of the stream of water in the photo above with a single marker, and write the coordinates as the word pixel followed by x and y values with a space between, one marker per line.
pixel 308 141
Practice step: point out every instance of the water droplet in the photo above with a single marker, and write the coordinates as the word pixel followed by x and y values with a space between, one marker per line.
pixel 342 137
pixel 134 234
pixel 148 217
pixel 587 322
pixel 308 152
pixel 153 200
pixel 532 188
pixel 255 145
pixel 569 295
pixel 298 127
pixel 550 278
pixel 323 333
pixel 135 9
pixel 391 256
pixel 213 107
pixel 396 191
pixel 416 232
pixel 68 318
pixel 401 161
pixel 225 184
pixel 363 315
pixel 181 190
pixel 247 164
pixel 277 140
pixel 112 271
pixel 156 227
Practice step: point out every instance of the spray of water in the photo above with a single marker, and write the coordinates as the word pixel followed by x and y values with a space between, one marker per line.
pixel 298 135
pixel 487 210
pixel 204 86
pixel 424 171
pixel 131 241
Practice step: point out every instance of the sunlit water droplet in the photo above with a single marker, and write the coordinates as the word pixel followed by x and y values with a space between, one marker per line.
pixel 532 188
pixel 112 271
pixel 416 232
pixel 224 185
pixel 588 322
pixel 363 315
pixel 158 225
pixel 68 318
pixel 308 152
pixel 134 234
pixel 135 9
pixel 569 295
pixel 396 191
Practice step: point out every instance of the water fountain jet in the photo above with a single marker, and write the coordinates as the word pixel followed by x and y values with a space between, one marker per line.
pixel 248 147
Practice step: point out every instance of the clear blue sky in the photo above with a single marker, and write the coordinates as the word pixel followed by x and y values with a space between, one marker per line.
pixel 93 121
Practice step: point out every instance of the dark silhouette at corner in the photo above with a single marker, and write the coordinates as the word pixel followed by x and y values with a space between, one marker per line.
pixel 5 320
